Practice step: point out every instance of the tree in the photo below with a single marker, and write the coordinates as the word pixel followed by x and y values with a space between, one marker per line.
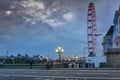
pixel 18 55
pixel 26 55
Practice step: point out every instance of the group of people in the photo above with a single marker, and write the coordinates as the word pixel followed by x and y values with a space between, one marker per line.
pixel 49 65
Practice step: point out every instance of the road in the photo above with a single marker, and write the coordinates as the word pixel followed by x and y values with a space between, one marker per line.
pixel 37 74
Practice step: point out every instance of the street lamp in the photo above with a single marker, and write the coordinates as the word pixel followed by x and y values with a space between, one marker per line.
pixel 59 50
pixel 76 58
pixel 68 59
pixel 84 56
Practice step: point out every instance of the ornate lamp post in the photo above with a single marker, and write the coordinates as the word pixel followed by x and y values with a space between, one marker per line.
pixel 76 58
pixel 59 50
pixel 68 59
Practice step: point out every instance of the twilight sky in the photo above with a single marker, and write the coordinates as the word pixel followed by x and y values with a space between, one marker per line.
pixel 39 26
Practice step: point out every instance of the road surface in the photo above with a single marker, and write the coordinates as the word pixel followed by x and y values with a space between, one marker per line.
pixel 37 74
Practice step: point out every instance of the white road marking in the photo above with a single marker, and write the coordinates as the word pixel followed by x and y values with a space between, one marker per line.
pixel 37 76
pixel 92 73
pixel 29 72
pixel 4 75
pixel 44 79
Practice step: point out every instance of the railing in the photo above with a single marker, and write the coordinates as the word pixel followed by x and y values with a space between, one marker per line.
pixel 22 66
pixel 28 66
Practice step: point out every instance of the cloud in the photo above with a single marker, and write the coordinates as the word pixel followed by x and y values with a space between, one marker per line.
pixel 8 12
pixel 35 11
pixel 6 37
pixel 68 16
pixel 53 22
pixel 32 4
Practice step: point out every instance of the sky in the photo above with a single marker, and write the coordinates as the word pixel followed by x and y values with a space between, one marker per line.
pixel 38 27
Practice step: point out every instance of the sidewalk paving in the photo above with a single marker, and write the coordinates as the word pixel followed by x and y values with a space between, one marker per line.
pixel 85 69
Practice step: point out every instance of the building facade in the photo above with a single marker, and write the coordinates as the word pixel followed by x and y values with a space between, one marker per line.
pixel 111 43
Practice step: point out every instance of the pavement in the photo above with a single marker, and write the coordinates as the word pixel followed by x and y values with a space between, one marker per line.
pixel 85 68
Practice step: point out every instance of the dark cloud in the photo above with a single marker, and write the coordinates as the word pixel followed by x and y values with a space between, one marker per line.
pixel 4 5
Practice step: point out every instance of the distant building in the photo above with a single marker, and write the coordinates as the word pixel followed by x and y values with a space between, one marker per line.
pixel 111 43
pixel 108 40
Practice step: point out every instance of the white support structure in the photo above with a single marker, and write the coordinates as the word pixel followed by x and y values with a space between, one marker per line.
pixel 96 60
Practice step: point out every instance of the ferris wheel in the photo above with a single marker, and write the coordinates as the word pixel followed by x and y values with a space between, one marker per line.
pixel 91 30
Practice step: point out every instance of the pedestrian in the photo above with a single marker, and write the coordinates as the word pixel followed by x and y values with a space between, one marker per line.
pixel 48 65
pixel 72 65
pixel 51 64
pixel 31 64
